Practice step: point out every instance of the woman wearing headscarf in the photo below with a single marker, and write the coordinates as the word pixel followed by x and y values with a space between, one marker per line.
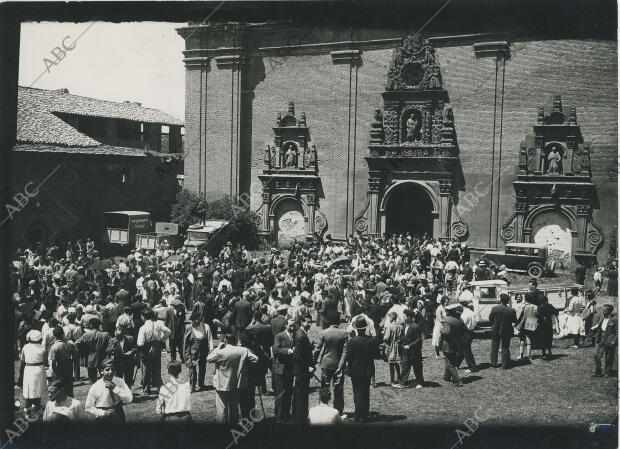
pixel 34 386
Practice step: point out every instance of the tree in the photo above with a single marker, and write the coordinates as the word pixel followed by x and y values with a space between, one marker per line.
pixel 190 208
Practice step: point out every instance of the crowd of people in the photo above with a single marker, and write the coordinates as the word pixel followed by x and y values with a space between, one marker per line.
pixel 250 316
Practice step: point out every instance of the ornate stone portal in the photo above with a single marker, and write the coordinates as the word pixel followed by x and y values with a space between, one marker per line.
pixel 413 147
pixel 291 182
pixel 554 190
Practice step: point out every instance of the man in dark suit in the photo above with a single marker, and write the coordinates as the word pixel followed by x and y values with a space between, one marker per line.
pixel 242 313
pixel 502 317
pixel 358 359
pixel 606 337
pixel 260 333
pixel 534 296
pixel 329 305
pixel 331 346
pixel 122 349
pixel 452 332
pixel 283 371
pixel 95 344
pixel 303 367
pixel 412 351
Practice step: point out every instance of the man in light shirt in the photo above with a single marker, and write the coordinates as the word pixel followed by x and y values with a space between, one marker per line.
pixel 152 338
pixel 469 318
pixel 174 402
pixel 323 414
pixel 106 396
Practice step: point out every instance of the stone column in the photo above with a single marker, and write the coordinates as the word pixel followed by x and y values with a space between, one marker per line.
pixel 583 214
pixel 376 222
pixel 265 224
pixel 521 211
pixel 311 202
pixel 441 225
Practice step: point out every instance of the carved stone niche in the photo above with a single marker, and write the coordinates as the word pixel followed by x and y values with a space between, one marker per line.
pixel 554 186
pixel 290 179
pixel 413 145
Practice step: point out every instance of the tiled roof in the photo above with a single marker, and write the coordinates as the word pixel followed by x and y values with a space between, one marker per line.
pixel 37 122
pixel 106 150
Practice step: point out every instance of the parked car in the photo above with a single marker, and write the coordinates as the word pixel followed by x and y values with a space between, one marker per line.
pixel 121 227
pixel 164 233
pixel 530 258
pixel 486 296
pixel 210 235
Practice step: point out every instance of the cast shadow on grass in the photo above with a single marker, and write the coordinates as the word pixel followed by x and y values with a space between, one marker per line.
pixel 138 399
pixel 483 365
pixel 470 379
pixel 379 417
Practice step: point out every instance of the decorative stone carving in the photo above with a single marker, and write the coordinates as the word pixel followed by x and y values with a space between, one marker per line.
pixel 376 128
pixel 554 178
pixel 320 223
pixel 374 184
pixel 290 173
pixel 414 66
pixel 458 229
pixel 390 126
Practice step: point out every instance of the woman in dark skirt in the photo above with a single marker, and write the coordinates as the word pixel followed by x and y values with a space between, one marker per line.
pixel 547 319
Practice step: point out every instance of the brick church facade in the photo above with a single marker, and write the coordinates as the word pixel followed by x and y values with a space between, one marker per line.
pixel 486 133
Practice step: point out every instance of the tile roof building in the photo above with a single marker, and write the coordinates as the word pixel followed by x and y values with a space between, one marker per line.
pixel 86 156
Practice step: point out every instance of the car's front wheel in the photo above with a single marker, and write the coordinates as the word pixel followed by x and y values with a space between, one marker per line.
pixel 534 270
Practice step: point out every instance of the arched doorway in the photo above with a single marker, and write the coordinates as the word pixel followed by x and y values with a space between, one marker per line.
pixel 409 208
pixel 290 222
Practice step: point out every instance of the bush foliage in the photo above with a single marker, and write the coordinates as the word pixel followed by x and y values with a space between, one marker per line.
pixel 191 208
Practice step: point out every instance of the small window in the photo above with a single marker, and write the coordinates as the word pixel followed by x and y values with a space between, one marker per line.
pixel 510 250
pixel 488 293
pixel 535 251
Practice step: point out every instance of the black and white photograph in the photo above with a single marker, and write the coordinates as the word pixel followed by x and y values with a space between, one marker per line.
pixel 385 224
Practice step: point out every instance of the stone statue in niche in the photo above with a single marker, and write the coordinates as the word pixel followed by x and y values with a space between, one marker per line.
pixel 311 157
pixel 291 156
pixel 553 162
pixel 413 126
pixel 267 158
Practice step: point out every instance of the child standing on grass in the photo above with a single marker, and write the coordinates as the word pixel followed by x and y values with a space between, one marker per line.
pixel 393 336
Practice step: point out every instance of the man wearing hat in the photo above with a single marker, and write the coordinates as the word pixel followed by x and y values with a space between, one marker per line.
pixel 412 351
pixel 62 407
pixel 358 362
pixel 452 331
pixel 107 395
pixel 605 333
pixel 94 343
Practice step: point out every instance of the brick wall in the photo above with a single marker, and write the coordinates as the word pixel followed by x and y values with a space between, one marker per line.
pixel 582 71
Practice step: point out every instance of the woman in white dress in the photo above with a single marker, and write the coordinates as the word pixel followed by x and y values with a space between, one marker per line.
pixel 440 317
pixel 34 386
pixel 574 322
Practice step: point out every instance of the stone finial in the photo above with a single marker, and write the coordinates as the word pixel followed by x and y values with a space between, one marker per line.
pixel 573 116
pixel 557 103
pixel 541 115
pixel 302 121
pixel 291 108
pixel 279 119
